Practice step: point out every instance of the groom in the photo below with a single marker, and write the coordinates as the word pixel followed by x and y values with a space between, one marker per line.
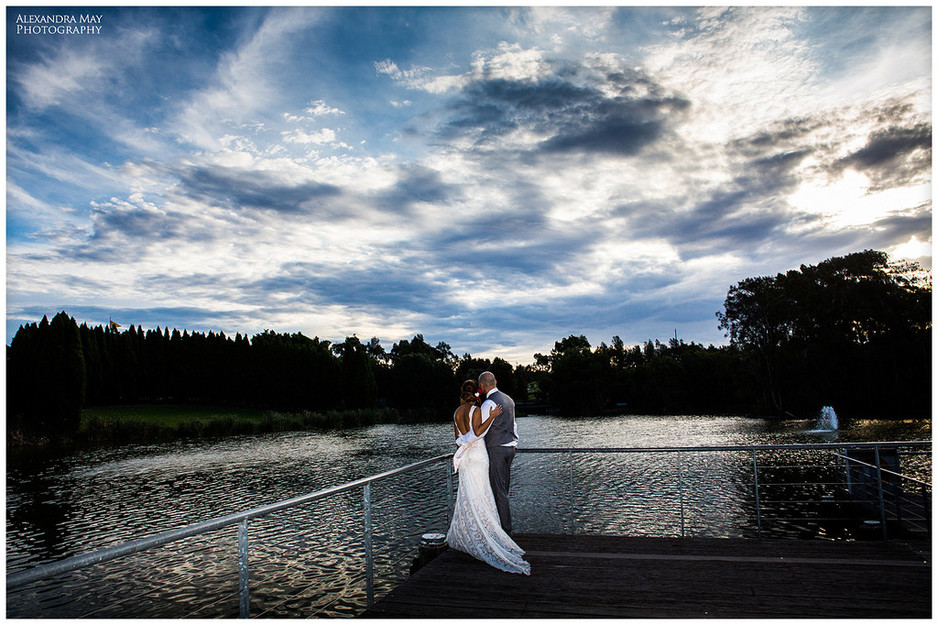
pixel 501 441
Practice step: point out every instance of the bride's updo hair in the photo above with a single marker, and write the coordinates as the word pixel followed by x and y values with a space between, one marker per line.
pixel 469 393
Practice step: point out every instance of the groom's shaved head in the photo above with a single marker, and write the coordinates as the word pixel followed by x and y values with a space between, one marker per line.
pixel 487 379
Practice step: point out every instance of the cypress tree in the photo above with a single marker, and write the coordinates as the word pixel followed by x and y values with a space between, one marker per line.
pixel 22 374
pixel 94 367
pixel 62 391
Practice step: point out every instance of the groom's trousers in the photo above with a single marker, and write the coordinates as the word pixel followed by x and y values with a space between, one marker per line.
pixel 500 459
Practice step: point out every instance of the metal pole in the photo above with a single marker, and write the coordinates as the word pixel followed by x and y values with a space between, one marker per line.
pixel 897 498
pixel 244 588
pixel 680 486
pixel 572 521
pixel 450 498
pixel 755 483
pixel 879 486
pixel 369 558
pixel 847 471
pixel 926 514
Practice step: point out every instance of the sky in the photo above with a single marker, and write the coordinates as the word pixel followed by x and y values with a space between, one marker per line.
pixel 495 178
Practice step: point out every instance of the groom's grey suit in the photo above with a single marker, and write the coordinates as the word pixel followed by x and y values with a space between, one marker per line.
pixel 501 440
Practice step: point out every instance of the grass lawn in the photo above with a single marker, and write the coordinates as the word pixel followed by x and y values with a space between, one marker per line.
pixel 169 415
pixel 142 423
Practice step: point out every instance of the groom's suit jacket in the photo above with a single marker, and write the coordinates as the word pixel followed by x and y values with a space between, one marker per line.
pixel 502 430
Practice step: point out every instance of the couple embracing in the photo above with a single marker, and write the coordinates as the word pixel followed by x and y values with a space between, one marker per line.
pixel 487 437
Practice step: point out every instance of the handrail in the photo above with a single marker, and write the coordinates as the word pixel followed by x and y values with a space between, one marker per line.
pixel 21 578
pixel 543 450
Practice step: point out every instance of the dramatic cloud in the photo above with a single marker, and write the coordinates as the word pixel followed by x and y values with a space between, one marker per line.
pixel 496 178
pixel 237 188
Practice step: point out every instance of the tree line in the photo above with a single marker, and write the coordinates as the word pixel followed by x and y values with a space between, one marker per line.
pixel 853 332
pixel 56 367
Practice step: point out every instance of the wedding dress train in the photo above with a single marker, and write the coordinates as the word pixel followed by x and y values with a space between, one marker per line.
pixel 476 529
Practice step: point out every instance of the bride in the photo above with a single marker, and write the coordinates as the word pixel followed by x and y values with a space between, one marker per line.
pixel 476 529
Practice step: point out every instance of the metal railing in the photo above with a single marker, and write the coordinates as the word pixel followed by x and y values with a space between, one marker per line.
pixel 22 578
pixel 892 503
pixel 899 498
pixel 764 493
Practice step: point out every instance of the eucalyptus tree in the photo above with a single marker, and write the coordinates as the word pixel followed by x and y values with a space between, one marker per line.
pixel 851 331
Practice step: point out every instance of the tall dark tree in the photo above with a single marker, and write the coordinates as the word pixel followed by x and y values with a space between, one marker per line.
pixel 505 377
pixel 60 392
pixel 470 368
pixel 91 348
pixel 424 386
pixel 530 384
pixel 579 380
pixel 23 375
pixel 294 372
pixel 359 388
pixel 756 315
pixel 376 351
pixel 422 379
pixel 840 333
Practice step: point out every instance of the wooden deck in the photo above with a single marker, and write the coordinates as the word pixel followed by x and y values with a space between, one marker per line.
pixel 625 577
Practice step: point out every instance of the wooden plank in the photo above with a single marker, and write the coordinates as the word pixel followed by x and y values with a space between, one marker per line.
pixel 623 577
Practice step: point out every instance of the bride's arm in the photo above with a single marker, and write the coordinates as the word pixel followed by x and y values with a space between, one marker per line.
pixel 478 426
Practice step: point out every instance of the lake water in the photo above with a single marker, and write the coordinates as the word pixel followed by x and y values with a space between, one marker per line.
pixel 307 561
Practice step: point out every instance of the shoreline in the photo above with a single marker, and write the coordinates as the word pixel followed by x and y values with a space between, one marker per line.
pixel 152 423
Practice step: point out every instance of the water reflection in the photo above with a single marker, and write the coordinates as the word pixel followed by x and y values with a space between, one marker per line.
pixel 41 518
pixel 309 561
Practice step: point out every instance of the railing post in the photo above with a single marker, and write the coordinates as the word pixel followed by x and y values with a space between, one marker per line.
pixel 244 588
pixel 369 557
pixel 847 471
pixel 755 483
pixel 897 498
pixel 879 486
pixel 572 519
pixel 926 514
pixel 450 497
pixel 680 489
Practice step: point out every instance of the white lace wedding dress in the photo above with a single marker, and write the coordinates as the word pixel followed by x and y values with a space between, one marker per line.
pixel 476 529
